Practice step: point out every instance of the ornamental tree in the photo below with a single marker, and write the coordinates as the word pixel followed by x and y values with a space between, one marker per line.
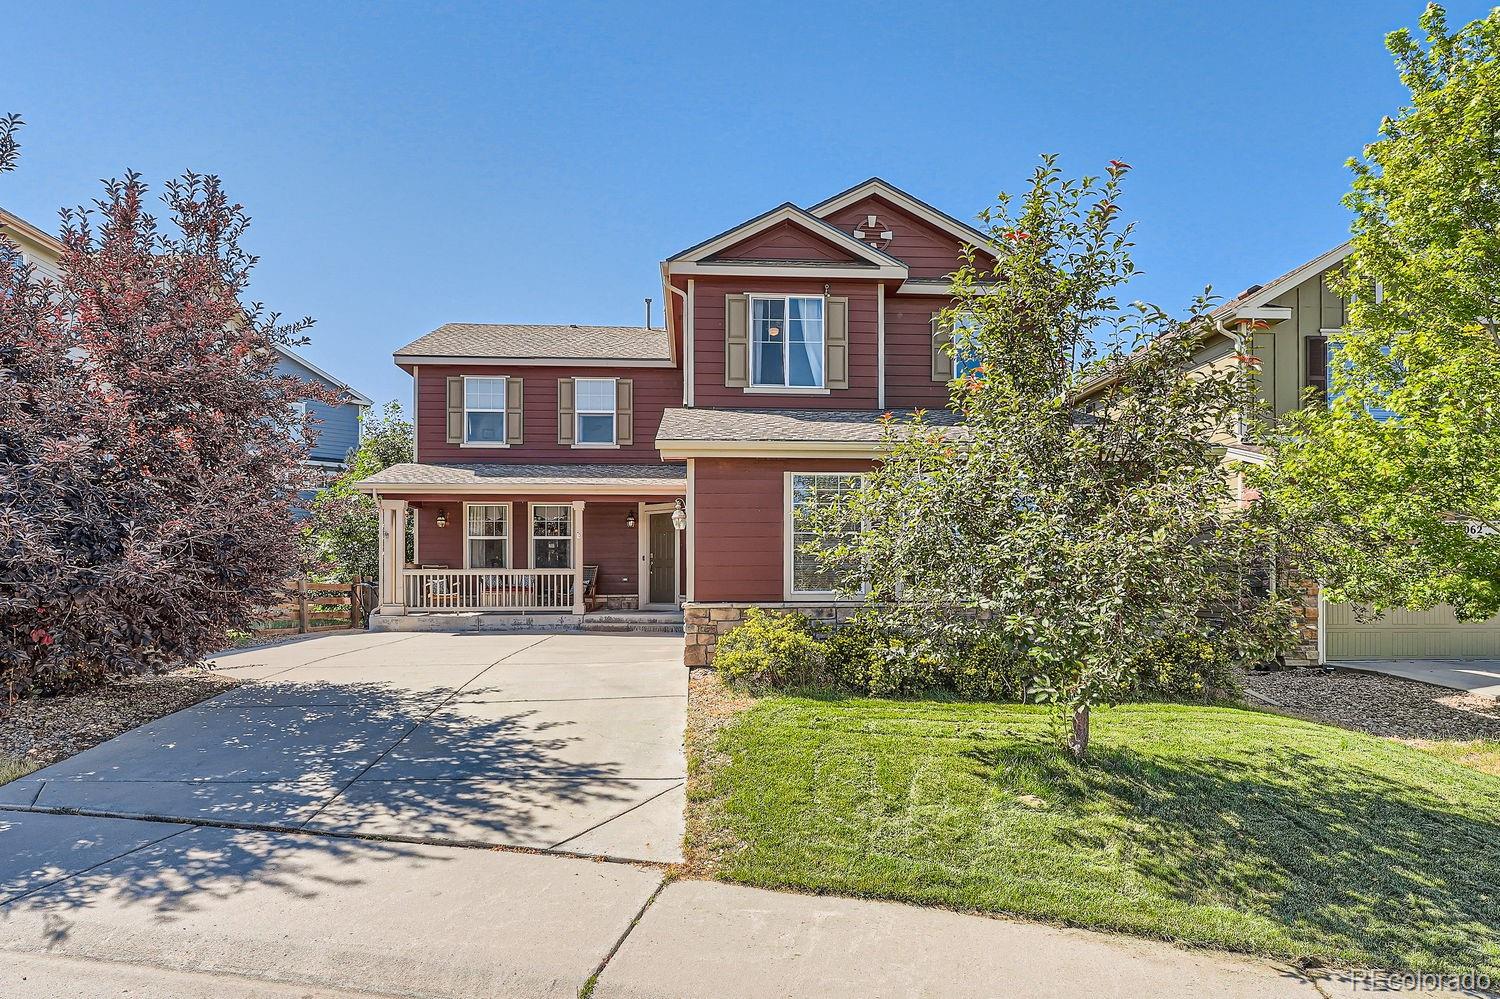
pixel 1403 511
pixel 345 522
pixel 1089 543
pixel 149 452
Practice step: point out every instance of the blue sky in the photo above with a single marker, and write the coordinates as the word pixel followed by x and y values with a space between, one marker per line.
pixel 413 164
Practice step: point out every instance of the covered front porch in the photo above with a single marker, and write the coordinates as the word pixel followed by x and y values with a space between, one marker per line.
pixel 555 543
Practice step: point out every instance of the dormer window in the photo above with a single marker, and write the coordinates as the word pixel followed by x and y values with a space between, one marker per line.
pixel 786 342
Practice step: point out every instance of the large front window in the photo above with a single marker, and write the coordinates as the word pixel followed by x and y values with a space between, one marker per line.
pixel 487 535
pixel 551 536
pixel 484 410
pixel 786 337
pixel 811 491
pixel 595 401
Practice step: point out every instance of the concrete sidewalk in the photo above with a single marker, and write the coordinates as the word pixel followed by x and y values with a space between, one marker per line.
pixel 168 909
pixel 1477 676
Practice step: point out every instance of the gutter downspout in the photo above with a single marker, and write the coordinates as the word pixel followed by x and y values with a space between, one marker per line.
pixel 687 339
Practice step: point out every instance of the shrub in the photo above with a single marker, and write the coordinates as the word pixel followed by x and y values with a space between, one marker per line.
pixel 770 650
pixel 1184 668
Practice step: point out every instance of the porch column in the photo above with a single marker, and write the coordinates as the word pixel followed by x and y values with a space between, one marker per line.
pixel 392 556
pixel 579 606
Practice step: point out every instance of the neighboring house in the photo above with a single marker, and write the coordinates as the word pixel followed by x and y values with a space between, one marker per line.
pixel 1292 325
pixel 337 426
pixel 657 468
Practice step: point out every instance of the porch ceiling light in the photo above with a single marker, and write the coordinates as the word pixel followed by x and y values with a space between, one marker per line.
pixel 679 514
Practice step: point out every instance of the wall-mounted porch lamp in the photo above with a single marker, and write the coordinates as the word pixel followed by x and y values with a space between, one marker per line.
pixel 630 519
pixel 679 514
pixel 442 518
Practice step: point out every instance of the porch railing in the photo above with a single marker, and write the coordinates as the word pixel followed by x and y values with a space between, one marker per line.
pixel 489 589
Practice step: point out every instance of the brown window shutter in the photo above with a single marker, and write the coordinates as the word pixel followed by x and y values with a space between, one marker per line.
pixel 456 410
pixel 836 345
pixel 565 408
pixel 513 411
pixel 736 341
pixel 1317 366
pixel 942 360
pixel 624 411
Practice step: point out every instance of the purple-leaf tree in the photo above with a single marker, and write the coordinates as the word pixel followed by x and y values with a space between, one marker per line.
pixel 149 450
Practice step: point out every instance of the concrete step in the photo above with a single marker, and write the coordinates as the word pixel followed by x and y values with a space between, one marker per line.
pixel 620 628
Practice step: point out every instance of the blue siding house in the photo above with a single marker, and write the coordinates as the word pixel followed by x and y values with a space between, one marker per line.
pixel 337 426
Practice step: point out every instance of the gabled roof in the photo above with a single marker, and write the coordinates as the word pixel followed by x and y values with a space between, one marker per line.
pixel 870 262
pixel 358 398
pixel 30 232
pixel 1258 296
pixel 513 343
pixel 914 206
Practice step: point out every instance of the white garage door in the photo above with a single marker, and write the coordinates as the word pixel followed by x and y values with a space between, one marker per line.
pixel 1431 634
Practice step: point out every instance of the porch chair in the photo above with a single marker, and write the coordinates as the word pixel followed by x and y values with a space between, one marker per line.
pixel 591 598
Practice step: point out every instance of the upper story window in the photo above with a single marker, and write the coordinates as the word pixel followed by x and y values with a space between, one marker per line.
pixel 484 410
pixel 299 421
pixel 786 342
pixel 596 399
pixel 965 350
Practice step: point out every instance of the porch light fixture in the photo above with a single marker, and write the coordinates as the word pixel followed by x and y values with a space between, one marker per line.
pixel 679 514
pixel 442 518
pixel 630 520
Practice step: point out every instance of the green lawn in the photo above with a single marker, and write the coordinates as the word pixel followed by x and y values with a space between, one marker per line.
pixel 1210 825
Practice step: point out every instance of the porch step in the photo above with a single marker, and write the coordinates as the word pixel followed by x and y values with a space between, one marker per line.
pixel 633 622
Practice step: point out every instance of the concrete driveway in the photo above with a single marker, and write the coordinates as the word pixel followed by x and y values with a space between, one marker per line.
pixel 566 742
pixel 1477 676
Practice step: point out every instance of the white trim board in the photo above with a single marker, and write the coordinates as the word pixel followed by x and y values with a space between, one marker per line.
pixel 912 206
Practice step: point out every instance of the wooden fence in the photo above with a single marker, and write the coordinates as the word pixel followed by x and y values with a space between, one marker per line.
pixel 311 607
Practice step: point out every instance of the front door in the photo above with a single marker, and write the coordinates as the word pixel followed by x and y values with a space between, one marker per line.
pixel 663 559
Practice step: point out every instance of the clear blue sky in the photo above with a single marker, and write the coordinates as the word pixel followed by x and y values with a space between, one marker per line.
pixel 413 164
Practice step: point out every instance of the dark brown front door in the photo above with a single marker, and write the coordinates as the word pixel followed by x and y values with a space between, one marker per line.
pixel 663 559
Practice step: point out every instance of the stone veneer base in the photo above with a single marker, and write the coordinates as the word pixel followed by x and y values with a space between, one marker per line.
pixel 704 623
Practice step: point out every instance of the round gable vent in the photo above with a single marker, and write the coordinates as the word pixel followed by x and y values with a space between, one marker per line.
pixel 873 232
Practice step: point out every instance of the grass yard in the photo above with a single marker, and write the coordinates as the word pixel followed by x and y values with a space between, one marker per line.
pixel 1216 826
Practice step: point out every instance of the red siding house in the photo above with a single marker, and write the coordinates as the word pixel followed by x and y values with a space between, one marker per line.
pixel 566 470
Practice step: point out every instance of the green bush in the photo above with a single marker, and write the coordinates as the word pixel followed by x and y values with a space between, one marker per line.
pixel 770 650
pixel 1182 669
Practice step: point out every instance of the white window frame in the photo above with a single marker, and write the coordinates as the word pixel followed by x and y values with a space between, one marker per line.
pixel 788 532
pixel 534 537
pixel 509 528
pixel 579 412
pixel 782 388
pixel 299 424
pixel 504 420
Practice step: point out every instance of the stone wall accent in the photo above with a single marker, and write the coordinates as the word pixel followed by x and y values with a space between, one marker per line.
pixel 620 601
pixel 704 623
pixel 1304 596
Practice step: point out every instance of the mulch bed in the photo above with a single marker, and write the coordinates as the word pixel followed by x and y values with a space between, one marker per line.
pixel 1380 705
pixel 43 730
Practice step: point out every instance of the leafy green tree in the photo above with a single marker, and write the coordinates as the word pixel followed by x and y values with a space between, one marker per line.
pixel 1091 544
pixel 345 522
pixel 1402 510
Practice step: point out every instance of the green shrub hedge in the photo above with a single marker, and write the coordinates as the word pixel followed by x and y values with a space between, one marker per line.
pixel 874 655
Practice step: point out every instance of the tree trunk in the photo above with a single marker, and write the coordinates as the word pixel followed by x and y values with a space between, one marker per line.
pixel 1078 741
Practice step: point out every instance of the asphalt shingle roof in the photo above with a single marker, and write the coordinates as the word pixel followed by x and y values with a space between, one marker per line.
pixel 530 342
pixel 411 474
pixel 786 425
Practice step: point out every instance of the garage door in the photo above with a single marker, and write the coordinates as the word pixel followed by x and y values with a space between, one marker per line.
pixel 1431 634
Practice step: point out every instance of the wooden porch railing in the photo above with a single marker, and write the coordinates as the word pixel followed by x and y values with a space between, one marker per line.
pixel 489 589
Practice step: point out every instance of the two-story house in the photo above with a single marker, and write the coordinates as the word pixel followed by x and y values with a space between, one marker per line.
pixel 560 468
pixel 1292 325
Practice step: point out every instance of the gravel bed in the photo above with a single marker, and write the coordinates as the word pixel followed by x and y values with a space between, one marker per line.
pixel 1380 705
pixel 38 731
